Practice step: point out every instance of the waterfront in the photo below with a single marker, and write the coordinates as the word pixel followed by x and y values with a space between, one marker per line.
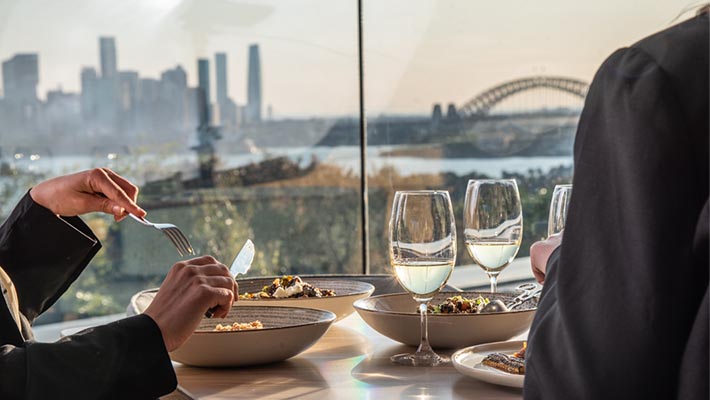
pixel 145 167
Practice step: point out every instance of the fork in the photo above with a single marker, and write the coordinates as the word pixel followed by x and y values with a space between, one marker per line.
pixel 172 232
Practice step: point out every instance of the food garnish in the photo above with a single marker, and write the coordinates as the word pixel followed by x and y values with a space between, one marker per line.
pixel 521 353
pixel 239 326
pixel 288 286
pixel 459 305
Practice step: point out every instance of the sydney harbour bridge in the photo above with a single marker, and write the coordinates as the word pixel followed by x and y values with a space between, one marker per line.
pixel 535 115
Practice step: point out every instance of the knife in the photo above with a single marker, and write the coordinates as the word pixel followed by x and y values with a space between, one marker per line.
pixel 242 262
pixel 240 265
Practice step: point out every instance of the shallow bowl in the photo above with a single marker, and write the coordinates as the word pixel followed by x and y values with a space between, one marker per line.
pixel 396 316
pixel 346 292
pixel 287 332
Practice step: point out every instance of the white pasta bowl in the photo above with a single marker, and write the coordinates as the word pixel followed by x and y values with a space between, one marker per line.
pixel 287 332
pixel 346 292
pixel 396 316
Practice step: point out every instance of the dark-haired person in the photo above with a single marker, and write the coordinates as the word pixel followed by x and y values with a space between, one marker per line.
pixel 624 311
pixel 44 247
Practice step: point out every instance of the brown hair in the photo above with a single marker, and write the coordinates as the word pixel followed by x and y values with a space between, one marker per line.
pixel 703 9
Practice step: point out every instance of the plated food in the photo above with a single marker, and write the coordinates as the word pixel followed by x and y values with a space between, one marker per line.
pixel 236 326
pixel 288 287
pixel 495 363
pixel 395 316
pixel 510 363
pixel 459 305
pixel 284 333
pixel 336 295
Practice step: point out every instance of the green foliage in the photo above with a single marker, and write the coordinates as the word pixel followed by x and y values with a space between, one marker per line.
pixel 299 227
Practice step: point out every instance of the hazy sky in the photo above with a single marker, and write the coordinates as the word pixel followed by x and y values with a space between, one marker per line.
pixel 417 51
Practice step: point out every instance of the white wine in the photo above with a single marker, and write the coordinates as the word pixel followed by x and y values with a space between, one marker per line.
pixel 493 256
pixel 423 279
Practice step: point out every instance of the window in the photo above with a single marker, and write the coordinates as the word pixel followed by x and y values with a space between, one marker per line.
pixel 242 120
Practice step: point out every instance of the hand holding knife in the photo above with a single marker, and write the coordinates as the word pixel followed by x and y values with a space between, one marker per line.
pixel 240 265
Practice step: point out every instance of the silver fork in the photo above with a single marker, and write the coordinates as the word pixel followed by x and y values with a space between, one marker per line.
pixel 172 232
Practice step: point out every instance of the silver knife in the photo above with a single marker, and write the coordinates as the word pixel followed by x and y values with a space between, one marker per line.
pixel 240 265
pixel 242 262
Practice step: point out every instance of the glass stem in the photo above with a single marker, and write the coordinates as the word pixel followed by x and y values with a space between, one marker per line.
pixel 494 283
pixel 424 342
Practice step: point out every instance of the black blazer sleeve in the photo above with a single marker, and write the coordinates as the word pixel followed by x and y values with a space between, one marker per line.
pixel 44 254
pixel 624 308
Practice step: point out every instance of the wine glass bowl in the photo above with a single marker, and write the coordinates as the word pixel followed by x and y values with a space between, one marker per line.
pixel 558 209
pixel 493 224
pixel 422 247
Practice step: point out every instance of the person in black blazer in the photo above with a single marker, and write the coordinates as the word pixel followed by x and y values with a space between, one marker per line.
pixel 44 247
pixel 624 308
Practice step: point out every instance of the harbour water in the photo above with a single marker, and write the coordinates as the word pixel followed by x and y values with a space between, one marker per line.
pixel 145 167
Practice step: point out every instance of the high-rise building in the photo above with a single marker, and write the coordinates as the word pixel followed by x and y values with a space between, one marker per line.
pixel 173 97
pixel 20 76
pixel 128 89
pixel 107 50
pixel 254 85
pixel 177 76
pixel 148 95
pixel 88 93
pixel 128 100
pixel 227 108
pixel 203 83
pixel 220 60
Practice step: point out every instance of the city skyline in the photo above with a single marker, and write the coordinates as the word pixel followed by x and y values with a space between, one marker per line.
pixel 441 52
pixel 114 102
pixel 21 71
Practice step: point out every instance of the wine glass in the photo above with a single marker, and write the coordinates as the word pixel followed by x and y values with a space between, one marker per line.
pixel 493 224
pixel 422 239
pixel 558 209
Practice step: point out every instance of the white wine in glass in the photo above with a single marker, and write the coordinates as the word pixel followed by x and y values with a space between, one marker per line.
pixel 493 224
pixel 422 246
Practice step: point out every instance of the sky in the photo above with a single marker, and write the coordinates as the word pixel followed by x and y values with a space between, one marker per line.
pixel 417 52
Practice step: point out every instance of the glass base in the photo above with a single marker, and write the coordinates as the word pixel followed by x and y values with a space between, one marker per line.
pixel 421 359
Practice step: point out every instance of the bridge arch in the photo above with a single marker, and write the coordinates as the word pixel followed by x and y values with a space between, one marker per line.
pixel 481 104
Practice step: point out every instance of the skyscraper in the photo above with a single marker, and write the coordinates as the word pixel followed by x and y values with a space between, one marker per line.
pixel 20 76
pixel 173 95
pixel 227 108
pixel 254 85
pixel 88 93
pixel 203 83
pixel 220 60
pixel 107 50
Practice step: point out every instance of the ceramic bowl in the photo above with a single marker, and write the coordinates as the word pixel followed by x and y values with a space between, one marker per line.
pixel 287 332
pixel 346 292
pixel 395 316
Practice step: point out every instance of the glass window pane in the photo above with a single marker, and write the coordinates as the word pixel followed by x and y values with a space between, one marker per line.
pixel 236 120
pixel 457 90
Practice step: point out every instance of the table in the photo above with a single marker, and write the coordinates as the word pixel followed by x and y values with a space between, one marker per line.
pixel 351 361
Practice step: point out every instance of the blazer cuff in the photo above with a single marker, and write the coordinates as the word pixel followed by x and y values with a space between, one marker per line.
pixel 147 364
pixel 43 254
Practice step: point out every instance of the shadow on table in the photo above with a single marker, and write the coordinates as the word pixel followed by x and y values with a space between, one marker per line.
pixel 293 378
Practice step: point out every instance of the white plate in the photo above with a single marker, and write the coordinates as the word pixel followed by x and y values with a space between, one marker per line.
pixel 395 316
pixel 346 292
pixel 468 362
pixel 287 332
